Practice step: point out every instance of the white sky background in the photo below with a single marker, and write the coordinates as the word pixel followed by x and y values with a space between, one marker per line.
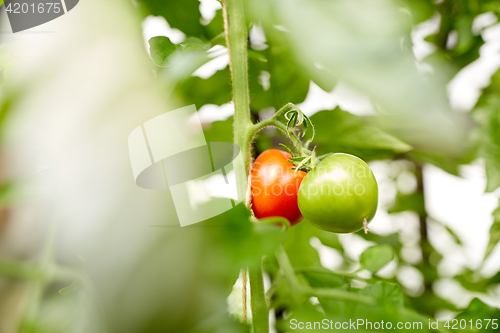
pixel 459 203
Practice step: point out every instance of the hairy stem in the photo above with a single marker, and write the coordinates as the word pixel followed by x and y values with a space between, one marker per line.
pixel 282 127
pixel 236 41
pixel 244 295
pixel 260 312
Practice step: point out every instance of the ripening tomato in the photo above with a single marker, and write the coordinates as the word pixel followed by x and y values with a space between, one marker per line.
pixel 339 193
pixel 275 185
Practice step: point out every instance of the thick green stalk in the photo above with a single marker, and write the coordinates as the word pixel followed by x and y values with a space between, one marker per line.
pixel 236 41
pixel 260 312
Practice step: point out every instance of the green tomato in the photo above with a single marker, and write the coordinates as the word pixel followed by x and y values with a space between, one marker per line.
pixel 339 194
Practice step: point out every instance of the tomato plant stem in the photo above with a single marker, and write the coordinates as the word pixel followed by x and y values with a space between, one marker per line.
pixel 260 312
pixel 244 294
pixel 236 40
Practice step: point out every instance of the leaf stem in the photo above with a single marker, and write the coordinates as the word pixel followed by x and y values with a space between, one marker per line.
pixel 301 291
pixel 273 122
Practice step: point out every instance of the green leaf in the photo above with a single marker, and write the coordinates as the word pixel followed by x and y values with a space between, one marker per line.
pixel 160 48
pixel 298 247
pixel 287 84
pixel 213 90
pixel 180 65
pixel 256 55
pixel 193 43
pixel 476 311
pixel 404 202
pixel 494 233
pixel 376 257
pixel 184 15
pixel 443 162
pixel 219 131
pixel 385 293
pixel 487 115
pixel 320 277
pixel 77 284
pixel 338 130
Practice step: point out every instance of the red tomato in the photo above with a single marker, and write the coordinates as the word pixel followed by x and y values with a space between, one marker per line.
pixel 275 186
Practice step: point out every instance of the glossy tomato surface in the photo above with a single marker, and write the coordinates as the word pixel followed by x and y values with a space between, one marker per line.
pixel 275 186
pixel 339 194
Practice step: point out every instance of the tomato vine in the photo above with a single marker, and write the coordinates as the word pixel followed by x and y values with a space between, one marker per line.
pixel 288 119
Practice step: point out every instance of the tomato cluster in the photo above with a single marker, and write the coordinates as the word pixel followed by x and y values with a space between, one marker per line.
pixel 339 195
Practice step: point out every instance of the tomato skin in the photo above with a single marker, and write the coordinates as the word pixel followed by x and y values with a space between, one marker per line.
pixel 339 194
pixel 275 186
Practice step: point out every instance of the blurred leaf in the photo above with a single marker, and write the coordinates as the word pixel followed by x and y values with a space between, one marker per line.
pixel 260 97
pixel 487 114
pixel 298 246
pixel 5 192
pixel 161 47
pixel 184 15
pixel 376 257
pixel 245 242
pixel 385 293
pixel 450 231
pixel 443 162
pixel 337 38
pixel 220 131
pixel 419 10
pixel 494 233
pixel 473 281
pixel 457 18
pixel 330 239
pixel 213 90
pixel 477 310
pixel 340 131
pixel 193 43
pixel 320 277
pixel 392 239
pixel 256 55
pixel 77 284
pixel 494 279
pixel 181 64
pixel 404 202
pixel 304 314
pixel 429 303
pixel 214 31
pixel 286 82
